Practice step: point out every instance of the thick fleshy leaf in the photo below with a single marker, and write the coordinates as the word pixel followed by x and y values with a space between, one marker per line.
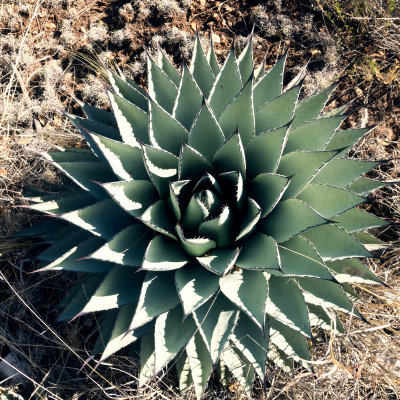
pixel 248 338
pixel 106 327
pixel 304 166
pixel 269 87
pixel 249 219
pixel 280 359
pixel 334 243
pixel 87 173
pixel 285 303
pixel 113 219
pixel 288 219
pixel 212 58
pixel 205 134
pixel 329 200
pixel 147 358
pixel 365 186
pixel 81 298
pixel 245 60
pixel 215 320
pixel 230 156
pixel 195 286
pixel 126 247
pixel 162 168
pixel 264 152
pixel 320 319
pixel 165 131
pixel 346 139
pixel 355 220
pixel 240 113
pixel 233 187
pixel 124 89
pixel 341 172
pixel 220 229
pixel 41 228
pixel 65 244
pixel 94 126
pixel 219 261
pixel 189 99
pixel 336 111
pixel 158 218
pixel 370 242
pixel 329 294
pixel 161 88
pixel 208 182
pixel 226 86
pixel 184 374
pixel 299 258
pixel 259 72
pixel 267 190
pixel 291 342
pixel 121 286
pixel 200 68
pixel 194 215
pixel 165 64
pixel 156 286
pixel 69 156
pixel 312 106
pixel 135 197
pixel 64 205
pixel 171 336
pixel 133 122
pixel 258 252
pixel 195 247
pixel 192 165
pixel 352 270
pixel 98 114
pixel 240 367
pixel 71 260
pixel 178 191
pixel 200 363
pixel 276 113
pixel 131 82
pixel 118 340
pixel 164 254
pixel 249 291
pixel 313 135
pixel 126 161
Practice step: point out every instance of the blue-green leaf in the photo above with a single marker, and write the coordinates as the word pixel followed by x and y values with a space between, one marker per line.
pixel 288 219
pixel 264 151
pixel 189 99
pixel 200 68
pixel 164 130
pixel 164 254
pixel 135 197
pixel 219 261
pixel 227 84
pixel 195 286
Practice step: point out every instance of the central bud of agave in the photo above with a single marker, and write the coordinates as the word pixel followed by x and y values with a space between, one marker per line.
pixel 212 218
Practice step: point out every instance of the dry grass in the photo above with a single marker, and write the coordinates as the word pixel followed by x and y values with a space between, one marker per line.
pixel 35 68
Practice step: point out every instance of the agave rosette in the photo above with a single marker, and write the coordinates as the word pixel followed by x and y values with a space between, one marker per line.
pixel 213 219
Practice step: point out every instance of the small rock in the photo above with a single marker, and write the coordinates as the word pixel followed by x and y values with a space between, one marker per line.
pixel 223 22
pixel 315 53
pixel 358 92
pixel 229 23
pixel 193 26
pixel 35 32
pixel 210 24
pixel 83 29
pixel 216 38
pixel 202 2
pixel 216 16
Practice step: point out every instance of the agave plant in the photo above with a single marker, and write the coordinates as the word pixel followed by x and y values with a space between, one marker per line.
pixel 213 219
